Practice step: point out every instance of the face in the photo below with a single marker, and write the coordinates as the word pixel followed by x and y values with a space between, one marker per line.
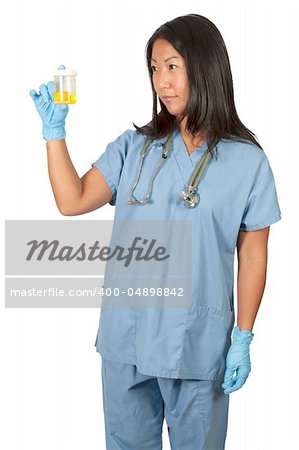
pixel 169 76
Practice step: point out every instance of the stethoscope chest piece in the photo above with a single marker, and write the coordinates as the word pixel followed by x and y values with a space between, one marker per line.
pixel 190 197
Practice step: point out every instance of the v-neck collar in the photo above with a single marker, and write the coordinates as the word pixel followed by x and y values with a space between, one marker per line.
pixel 186 162
pixel 181 153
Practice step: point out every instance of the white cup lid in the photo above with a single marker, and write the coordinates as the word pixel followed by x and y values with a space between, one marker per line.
pixel 65 72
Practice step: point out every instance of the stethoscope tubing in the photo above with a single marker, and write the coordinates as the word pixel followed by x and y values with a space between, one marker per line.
pixel 190 195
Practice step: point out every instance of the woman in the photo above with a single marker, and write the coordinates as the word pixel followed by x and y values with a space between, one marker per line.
pixel 178 363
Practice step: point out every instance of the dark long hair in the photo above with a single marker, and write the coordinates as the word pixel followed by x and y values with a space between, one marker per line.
pixel 210 107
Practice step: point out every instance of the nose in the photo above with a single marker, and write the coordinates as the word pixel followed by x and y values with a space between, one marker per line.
pixel 163 80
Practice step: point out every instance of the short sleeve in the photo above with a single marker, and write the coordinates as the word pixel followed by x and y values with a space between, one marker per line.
pixel 262 207
pixel 111 162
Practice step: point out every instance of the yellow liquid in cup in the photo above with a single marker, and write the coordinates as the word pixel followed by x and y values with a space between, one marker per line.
pixel 66 97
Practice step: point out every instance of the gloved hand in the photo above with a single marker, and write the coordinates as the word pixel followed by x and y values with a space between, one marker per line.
pixel 52 115
pixel 237 360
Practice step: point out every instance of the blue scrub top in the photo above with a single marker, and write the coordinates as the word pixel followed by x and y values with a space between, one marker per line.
pixel 237 192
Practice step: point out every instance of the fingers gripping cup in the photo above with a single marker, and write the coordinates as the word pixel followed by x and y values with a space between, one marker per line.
pixel 65 86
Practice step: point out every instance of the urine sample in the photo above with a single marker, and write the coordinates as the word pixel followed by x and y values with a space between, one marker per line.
pixel 65 86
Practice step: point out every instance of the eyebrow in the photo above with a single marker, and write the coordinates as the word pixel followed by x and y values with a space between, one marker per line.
pixel 171 57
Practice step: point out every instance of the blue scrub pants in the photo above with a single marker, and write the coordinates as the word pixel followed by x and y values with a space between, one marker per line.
pixel 196 411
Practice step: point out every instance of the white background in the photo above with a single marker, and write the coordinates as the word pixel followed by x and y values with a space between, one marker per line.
pixel 51 385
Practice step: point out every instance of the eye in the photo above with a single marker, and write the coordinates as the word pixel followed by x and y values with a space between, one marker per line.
pixel 170 65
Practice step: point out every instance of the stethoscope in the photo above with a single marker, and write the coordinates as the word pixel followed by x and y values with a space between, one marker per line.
pixel 190 195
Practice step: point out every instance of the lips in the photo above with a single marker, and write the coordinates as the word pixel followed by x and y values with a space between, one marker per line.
pixel 168 97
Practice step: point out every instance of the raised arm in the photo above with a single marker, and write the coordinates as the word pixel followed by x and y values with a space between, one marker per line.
pixel 73 195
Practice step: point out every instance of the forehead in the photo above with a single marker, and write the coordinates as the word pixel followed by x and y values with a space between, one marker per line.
pixel 162 49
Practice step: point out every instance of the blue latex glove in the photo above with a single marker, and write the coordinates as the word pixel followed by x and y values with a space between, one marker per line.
pixel 52 115
pixel 237 361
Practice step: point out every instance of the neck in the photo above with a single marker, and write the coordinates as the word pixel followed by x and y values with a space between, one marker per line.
pixel 192 140
pixel 187 135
